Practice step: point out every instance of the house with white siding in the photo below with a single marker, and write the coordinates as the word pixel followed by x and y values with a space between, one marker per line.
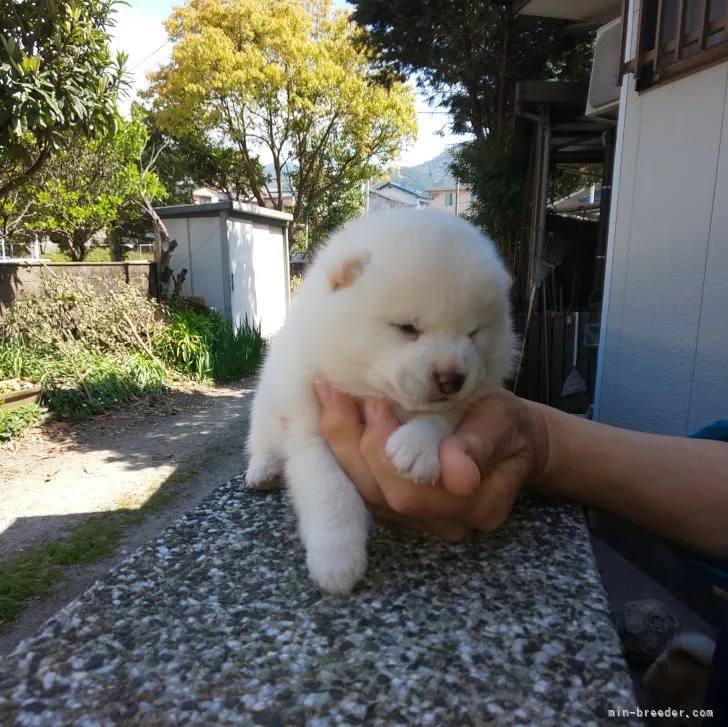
pixel 659 91
pixel 389 195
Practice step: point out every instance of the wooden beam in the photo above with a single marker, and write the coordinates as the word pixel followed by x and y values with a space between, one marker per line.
pixel 703 22
pixel 658 36
pixel 681 10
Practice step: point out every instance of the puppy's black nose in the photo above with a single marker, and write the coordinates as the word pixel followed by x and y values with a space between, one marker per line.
pixel 449 383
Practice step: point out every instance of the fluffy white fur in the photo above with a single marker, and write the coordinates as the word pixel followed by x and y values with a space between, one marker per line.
pixel 420 268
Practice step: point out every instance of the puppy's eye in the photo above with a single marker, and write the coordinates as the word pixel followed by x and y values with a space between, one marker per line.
pixel 408 330
pixel 474 333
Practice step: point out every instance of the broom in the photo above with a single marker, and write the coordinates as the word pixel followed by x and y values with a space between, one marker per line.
pixel 553 255
pixel 574 383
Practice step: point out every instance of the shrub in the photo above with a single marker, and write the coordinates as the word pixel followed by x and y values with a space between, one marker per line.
pixel 93 350
pixel 79 382
pixel 14 421
pixel 206 347
pixel 64 310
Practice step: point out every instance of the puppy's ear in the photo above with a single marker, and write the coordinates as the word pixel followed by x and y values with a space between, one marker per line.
pixel 347 272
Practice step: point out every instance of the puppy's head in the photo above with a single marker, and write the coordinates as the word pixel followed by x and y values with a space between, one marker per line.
pixel 412 305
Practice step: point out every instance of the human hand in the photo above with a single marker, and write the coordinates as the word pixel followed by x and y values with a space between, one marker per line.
pixel 500 445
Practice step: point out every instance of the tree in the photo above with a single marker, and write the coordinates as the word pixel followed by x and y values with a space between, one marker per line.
pixel 92 185
pixel 333 212
pixel 186 162
pixel 286 78
pixel 56 74
pixel 468 57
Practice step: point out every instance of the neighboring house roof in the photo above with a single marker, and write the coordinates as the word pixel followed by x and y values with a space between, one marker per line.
pixel 396 200
pixel 579 201
pixel 209 191
pixel 435 190
pixel 402 188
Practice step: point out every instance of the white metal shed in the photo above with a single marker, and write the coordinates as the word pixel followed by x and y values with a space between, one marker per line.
pixel 236 256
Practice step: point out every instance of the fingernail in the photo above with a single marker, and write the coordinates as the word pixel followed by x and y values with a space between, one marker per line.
pixel 322 389
pixel 372 410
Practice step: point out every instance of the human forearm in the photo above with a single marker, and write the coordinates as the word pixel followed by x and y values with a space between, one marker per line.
pixel 674 487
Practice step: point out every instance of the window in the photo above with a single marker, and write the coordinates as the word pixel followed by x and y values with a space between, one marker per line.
pixel 449 199
pixel 677 37
pixel 204 200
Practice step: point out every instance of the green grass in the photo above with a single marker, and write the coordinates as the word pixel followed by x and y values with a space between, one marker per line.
pixel 207 348
pixel 32 575
pixel 97 255
pixel 13 422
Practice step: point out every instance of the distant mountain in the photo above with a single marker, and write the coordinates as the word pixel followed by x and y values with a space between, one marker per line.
pixel 431 174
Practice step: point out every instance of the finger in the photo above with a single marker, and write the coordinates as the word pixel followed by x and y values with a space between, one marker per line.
pixel 458 472
pixel 340 418
pixel 341 427
pixel 448 530
pixel 408 498
pixel 482 440
pixel 498 493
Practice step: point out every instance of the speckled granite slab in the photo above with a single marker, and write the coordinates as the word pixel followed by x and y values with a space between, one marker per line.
pixel 215 622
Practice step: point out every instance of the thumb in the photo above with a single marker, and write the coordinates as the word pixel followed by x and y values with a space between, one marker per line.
pixel 459 470
pixel 481 441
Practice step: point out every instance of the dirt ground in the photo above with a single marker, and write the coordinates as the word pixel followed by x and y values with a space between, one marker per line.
pixel 183 444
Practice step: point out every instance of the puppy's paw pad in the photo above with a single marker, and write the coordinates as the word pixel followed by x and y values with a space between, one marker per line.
pixel 337 569
pixel 264 472
pixel 414 456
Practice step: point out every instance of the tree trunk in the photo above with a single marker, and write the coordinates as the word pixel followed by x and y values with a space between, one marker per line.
pixel 77 245
pixel 116 249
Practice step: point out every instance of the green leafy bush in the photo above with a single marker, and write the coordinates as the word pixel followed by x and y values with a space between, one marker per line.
pixel 92 350
pixel 79 382
pixel 14 421
pixel 205 346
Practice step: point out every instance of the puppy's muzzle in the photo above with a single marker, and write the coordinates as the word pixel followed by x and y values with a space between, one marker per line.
pixel 449 382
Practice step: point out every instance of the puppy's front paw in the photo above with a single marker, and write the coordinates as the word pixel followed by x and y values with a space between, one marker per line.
pixel 414 451
pixel 264 472
pixel 336 567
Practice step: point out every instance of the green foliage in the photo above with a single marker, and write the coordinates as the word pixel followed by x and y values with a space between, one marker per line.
pixel 93 184
pixel 288 78
pixel 80 382
pixel 56 74
pixel 93 350
pixel 335 210
pixel 496 170
pixel 468 57
pixel 14 421
pixel 193 160
pixel 205 346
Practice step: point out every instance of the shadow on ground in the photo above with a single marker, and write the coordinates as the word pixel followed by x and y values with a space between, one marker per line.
pixel 103 488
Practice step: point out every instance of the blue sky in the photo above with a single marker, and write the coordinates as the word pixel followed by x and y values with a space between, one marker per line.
pixel 140 32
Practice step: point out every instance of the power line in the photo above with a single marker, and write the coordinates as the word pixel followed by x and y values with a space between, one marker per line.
pixel 146 58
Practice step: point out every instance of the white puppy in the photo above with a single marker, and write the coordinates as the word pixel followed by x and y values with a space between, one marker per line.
pixel 411 306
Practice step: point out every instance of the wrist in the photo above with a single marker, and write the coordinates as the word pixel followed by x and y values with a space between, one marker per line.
pixel 545 427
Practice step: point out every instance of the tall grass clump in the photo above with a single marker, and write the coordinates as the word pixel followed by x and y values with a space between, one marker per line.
pixel 206 347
